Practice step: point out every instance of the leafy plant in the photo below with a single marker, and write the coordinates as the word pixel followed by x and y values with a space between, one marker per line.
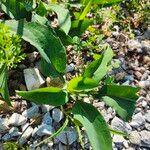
pixel 10 56
pixel 116 96
pixel 50 42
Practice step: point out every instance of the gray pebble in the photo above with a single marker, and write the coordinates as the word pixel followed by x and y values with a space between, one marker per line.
pixel 68 136
pixel 137 120
pixel 145 138
pixel 14 131
pixel 119 124
pixel 31 112
pixel 45 130
pixel 57 114
pixel 6 137
pixel 47 119
pixel 135 138
pixel 17 119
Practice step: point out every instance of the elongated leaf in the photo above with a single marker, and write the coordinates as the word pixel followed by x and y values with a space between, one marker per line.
pixel 95 125
pixel 42 37
pixel 79 84
pixel 3 85
pixel 86 10
pixel 99 68
pixel 121 98
pixel 50 95
pixel 106 2
pixel 63 15
pixel 14 9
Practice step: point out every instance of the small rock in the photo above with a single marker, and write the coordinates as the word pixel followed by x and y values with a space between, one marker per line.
pixel 144 104
pixel 44 130
pixel 27 133
pixel 34 131
pixel 6 137
pixel 135 138
pixel 70 67
pixel 118 139
pixel 147 126
pixel 144 84
pixel 24 126
pixel 50 144
pixel 44 147
pixel 147 116
pixel 60 147
pixel 145 138
pixel 137 120
pixel 47 119
pixel 147 33
pixel 119 124
pixel 14 131
pixel 46 108
pixel 33 78
pixel 3 126
pixel 31 112
pixel 134 45
pixel 68 136
pixel 57 114
pixel 17 119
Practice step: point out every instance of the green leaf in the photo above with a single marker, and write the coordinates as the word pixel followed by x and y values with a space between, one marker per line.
pixel 121 98
pixel 85 11
pixel 99 68
pixel 95 125
pixel 42 37
pixel 79 84
pixel 29 4
pixel 49 95
pixel 14 9
pixel 3 85
pixel 78 27
pixel 63 15
pixel 118 132
pixel 106 2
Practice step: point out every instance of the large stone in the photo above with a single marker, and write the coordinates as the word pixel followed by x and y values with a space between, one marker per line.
pixel 134 45
pixel 3 126
pixel 119 124
pixel 31 112
pixel 33 78
pixel 57 114
pixel 17 119
pixel 137 120
pixel 145 138
pixel 135 138
pixel 44 130
pixel 25 135
pixel 47 119
pixel 68 136
pixel 14 131
pixel 144 84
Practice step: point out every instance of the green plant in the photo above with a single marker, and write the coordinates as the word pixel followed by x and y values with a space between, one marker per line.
pixel 10 56
pixel 90 83
pixel 50 42
pixel 12 146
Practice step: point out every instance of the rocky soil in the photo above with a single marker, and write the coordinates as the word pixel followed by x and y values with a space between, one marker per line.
pixel 29 123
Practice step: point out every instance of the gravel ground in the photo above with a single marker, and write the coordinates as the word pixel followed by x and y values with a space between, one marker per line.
pixel 29 123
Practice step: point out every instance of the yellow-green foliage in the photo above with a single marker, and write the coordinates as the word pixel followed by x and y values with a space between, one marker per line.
pixel 10 48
